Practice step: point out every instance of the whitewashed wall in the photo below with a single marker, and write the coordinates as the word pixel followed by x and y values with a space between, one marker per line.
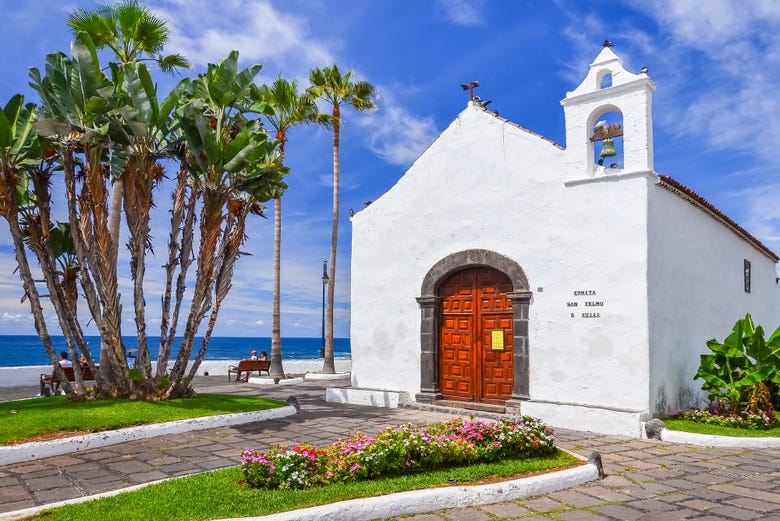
pixel 486 184
pixel 696 292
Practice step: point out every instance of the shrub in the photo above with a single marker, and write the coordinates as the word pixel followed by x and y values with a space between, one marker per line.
pixel 761 420
pixel 398 451
pixel 737 371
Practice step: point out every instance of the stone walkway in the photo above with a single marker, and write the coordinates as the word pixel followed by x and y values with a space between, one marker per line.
pixel 646 480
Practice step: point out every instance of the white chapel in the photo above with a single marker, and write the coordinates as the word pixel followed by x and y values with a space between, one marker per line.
pixel 506 272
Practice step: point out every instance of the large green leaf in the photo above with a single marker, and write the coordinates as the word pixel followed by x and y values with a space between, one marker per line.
pixel 142 93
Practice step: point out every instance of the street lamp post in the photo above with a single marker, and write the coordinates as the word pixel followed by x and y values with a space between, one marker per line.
pixel 325 280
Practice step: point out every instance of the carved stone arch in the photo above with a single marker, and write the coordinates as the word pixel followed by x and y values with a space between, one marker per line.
pixel 430 310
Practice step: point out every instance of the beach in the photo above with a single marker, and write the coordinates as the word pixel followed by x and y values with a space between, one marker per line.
pixel 22 376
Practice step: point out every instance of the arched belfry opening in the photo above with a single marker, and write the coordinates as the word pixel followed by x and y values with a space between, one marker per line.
pixel 474 330
pixel 605 79
pixel 607 139
pixel 611 108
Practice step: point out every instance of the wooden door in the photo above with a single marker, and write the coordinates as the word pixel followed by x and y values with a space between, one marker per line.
pixel 476 319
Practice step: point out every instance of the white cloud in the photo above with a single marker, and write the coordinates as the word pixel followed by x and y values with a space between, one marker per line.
pixel 259 322
pixel 15 317
pixel 396 135
pixel 728 59
pixel 463 12
pixel 207 31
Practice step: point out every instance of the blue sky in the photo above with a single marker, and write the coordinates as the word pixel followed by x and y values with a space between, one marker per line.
pixel 716 65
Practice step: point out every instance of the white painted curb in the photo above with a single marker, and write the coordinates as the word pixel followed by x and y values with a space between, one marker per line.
pixel 711 440
pixel 265 380
pixel 418 501
pixel 45 449
pixel 324 376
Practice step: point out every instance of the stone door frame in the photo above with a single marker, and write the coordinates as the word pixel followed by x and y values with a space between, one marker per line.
pixel 430 311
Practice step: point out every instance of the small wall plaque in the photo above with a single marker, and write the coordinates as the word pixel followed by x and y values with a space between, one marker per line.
pixel 497 340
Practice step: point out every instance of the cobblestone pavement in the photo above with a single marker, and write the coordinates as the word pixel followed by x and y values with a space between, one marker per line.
pixel 646 480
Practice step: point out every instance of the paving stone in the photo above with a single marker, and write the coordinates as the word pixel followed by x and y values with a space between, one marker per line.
pixel 467 514
pixel 680 515
pixel 735 513
pixel 681 484
pixel 650 505
pixel 508 509
pixel 620 512
pixel 44 483
pixel 12 494
pixel 753 504
pixel 580 515
pixel 748 492
pixel 146 477
pixel 17 505
pixel 605 493
pixel 574 498
pixel 698 504
pixel 761 485
pixel 616 481
pixel 56 494
pixel 543 505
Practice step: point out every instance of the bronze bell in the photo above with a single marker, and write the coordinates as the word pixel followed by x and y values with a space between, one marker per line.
pixel 608 149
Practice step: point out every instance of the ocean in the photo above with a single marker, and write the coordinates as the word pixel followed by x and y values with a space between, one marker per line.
pixel 21 350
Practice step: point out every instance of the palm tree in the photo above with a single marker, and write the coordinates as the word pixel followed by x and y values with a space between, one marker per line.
pixel 130 31
pixel 336 89
pixel 133 34
pixel 290 108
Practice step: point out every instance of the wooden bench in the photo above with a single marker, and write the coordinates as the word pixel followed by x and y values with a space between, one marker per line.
pixel 53 381
pixel 247 366
pixel 86 374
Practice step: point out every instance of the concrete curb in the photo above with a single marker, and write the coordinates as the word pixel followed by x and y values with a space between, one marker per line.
pixel 266 380
pixel 45 449
pixel 419 501
pixel 711 440
pixel 322 376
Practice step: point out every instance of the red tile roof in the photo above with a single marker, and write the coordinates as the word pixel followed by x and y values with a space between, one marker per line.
pixel 699 201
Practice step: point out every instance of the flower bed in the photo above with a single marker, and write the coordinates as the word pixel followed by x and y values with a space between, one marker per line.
pixel 759 420
pixel 393 452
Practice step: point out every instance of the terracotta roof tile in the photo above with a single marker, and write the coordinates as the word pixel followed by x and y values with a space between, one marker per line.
pixel 697 200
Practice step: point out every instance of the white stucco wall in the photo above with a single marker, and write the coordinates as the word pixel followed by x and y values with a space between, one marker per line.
pixel 487 184
pixel 696 292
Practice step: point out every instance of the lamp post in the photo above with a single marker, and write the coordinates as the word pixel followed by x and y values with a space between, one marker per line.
pixel 325 280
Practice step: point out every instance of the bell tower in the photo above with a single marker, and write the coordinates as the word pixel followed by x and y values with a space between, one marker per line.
pixel 609 88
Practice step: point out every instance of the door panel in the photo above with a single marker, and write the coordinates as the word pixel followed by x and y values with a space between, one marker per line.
pixel 474 304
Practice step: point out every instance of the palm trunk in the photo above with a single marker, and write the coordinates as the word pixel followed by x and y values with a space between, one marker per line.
pixel 329 366
pixel 211 219
pixel 115 219
pixel 276 370
pixel 179 254
pixel 35 303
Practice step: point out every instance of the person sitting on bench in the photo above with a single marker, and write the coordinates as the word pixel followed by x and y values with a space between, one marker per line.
pixel 46 379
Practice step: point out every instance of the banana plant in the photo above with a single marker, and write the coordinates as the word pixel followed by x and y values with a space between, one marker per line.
pixel 221 147
pixel 743 360
pixel 21 153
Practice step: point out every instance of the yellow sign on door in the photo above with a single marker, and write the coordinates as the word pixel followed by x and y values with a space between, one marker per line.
pixel 497 339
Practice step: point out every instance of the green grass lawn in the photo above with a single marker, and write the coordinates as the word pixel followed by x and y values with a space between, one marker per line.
pixel 41 417
pixel 221 494
pixel 703 428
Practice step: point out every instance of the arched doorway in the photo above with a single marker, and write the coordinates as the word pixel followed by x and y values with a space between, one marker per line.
pixel 430 301
pixel 476 342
